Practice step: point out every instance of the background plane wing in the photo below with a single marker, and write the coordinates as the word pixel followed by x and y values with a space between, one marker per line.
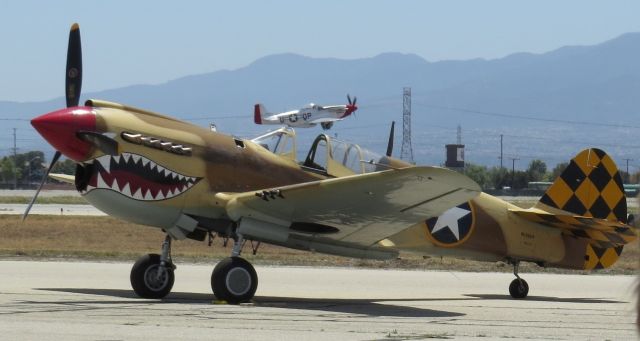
pixel 360 210
pixel 335 108
pixel 324 119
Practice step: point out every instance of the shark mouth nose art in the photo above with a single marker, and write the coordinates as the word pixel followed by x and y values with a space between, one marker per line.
pixel 137 177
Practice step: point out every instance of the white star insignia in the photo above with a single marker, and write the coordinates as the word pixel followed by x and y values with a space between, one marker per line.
pixel 449 219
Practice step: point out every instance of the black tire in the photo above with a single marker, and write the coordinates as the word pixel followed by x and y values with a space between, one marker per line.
pixel 234 280
pixel 144 279
pixel 519 288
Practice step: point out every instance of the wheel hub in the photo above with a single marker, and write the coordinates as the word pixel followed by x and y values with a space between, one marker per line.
pixel 238 281
pixel 156 277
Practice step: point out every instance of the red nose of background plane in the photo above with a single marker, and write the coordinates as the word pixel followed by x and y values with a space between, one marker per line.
pixel 59 128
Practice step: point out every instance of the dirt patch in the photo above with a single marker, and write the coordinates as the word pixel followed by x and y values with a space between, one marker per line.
pixel 46 237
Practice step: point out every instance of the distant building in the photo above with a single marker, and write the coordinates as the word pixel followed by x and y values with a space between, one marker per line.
pixel 455 156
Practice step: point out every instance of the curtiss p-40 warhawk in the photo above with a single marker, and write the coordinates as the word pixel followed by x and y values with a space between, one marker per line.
pixel 308 116
pixel 190 182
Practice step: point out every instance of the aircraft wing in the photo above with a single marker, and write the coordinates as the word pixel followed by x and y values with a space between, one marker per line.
pixel 63 177
pixel 324 119
pixel 600 232
pixel 360 210
pixel 335 108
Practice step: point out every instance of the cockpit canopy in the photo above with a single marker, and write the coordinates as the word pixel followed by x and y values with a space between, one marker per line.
pixel 313 106
pixel 280 142
pixel 340 158
pixel 327 155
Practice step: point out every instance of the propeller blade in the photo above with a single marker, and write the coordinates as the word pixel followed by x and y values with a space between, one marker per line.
pixel 354 100
pixel 73 83
pixel 56 156
pixel 390 144
pixel 349 99
pixel 105 144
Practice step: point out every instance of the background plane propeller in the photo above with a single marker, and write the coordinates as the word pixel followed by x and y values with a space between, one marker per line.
pixel 352 107
pixel 73 86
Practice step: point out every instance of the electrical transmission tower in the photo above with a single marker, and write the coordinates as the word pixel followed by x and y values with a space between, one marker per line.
pixel 15 160
pixel 406 152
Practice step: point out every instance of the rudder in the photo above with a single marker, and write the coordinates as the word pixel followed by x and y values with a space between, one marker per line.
pixel 257 113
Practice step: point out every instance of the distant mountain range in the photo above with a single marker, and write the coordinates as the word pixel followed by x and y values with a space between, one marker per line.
pixel 597 84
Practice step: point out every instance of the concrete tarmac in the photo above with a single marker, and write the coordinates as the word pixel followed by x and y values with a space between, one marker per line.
pixel 93 301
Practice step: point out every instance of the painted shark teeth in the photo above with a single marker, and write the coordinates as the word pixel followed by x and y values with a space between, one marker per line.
pixel 126 190
pixel 139 178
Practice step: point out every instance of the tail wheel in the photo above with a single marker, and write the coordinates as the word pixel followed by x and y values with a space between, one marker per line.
pixel 149 279
pixel 519 288
pixel 234 280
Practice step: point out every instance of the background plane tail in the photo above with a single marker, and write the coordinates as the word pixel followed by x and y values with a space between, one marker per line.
pixel 590 186
pixel 258 112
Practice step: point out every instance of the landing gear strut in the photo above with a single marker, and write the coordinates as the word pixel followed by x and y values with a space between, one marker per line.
pixel 234 279
pixel 152 275
pixel 518 287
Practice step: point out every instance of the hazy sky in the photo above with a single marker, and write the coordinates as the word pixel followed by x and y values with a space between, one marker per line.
pixel 133 42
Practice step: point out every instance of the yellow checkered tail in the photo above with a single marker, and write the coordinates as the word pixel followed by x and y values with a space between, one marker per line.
pixel 591 187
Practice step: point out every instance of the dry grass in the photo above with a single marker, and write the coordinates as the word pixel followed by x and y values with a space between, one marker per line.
pixel 46 237
pixel 529 203
pixel 64 200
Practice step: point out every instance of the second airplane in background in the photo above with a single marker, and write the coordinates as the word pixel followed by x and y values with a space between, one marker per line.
pixel 308 116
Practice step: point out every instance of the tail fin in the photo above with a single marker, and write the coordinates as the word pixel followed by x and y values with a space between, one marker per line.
pixel 590 186
pixel 258 111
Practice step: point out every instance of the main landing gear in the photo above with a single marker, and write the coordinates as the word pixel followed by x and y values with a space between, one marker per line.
pixel 518 287
pixel 152 275
pixel 233 279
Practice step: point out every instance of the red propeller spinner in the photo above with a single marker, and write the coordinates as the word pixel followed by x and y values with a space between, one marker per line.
pixel 351 107
pixel 60 128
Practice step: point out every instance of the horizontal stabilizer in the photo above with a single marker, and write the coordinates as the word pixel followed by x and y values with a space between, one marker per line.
pixel 601 233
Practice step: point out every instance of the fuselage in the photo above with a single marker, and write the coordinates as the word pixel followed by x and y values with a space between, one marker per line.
pixel 490 232
pixel 308 116
pixel 167 174
pixel 152 182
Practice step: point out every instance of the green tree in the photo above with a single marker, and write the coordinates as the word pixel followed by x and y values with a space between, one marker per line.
pixel 499 177
pixel 66 166
pixel 8 170
pixel 30 165
pixel 626 177
pixel 479 174
pixel 519 180
pixel 537 170
pixel 557 170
